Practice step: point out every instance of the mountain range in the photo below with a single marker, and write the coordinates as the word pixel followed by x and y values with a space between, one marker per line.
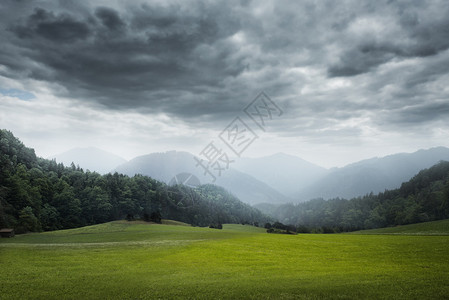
pixel 164 166
pixel 372 175
pixel 286 173
pixel 90 158
pixel 275 179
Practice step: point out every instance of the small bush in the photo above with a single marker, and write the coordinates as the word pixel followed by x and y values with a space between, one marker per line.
pixel 216 226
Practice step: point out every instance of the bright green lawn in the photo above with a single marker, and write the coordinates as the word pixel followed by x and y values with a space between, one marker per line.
pixel 119 260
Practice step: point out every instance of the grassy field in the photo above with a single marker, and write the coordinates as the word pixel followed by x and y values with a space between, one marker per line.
pixel 122 260
pixel 427 228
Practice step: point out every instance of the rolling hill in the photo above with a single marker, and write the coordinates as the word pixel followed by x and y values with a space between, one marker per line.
pixel 164 166
pixel 372 175
pixel 91 158
pixel 440 227
pixel 130 260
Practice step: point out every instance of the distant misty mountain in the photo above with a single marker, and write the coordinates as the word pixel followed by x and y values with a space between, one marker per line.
pixel 164 166
pixel 160 166
pixel 91 158
pixel 372 175
pixel 285 173
pixel 274 179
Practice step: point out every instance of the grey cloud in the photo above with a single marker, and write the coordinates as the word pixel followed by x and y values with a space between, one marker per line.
pixel 146 58
pixel 181 59
pixel 424 113
pixel 419 118
pixel 424 31
pixel 56 28
pixel 110 18
pixel 360 60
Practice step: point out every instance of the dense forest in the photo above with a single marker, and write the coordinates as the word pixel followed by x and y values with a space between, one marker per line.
pixel 424 198
pixel 38 194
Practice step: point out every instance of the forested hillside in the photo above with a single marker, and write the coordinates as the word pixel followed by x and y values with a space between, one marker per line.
pixel 424 198
pixel 38 194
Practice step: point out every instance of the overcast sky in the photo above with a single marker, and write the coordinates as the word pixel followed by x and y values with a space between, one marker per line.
pixel 353 79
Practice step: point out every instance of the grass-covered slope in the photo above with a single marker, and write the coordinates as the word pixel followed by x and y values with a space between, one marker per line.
pixel 121 260
pixel 126 233
pixel 427 228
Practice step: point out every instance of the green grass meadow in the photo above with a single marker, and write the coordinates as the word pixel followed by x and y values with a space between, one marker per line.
pixel 429 228
pixel 134 260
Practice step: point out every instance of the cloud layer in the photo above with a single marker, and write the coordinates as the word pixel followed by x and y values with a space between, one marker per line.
pixel 351 71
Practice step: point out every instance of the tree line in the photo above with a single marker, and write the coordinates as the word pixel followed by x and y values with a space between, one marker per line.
pixel 423 198
pixel 39 194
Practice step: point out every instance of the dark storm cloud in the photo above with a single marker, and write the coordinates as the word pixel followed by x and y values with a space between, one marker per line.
pixel 61 28
pixel 203 62
pixel 110 18
pixel 422 113
pixel 360 60
pixel 418 119
pixel 422 32
pixel 147 57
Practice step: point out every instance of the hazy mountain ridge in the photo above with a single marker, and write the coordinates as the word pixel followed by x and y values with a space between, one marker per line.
pixel 272 179
pixel 423 197
pixel 161 165
pixel 164 166
pixel 91 158
pixel 372 175
pixel 285 173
